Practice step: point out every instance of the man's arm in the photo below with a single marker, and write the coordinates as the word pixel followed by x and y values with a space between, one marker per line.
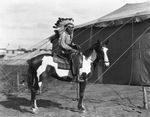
pixel 63 42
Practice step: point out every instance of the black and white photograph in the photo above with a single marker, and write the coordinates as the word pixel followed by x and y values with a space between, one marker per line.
pixel 75 58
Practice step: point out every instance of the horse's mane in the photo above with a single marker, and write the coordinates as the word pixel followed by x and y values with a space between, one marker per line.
pixel 88 52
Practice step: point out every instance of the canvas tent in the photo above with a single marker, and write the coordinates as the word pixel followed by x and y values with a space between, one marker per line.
pixel 128 32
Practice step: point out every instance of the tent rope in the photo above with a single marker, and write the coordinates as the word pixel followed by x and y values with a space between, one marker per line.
pixel 88 38
pixel 114 63
pixel 117 29
pixel 92 35
pixel 122 54
pixel 2 73
pixel 20 58
pixel 96 33
pixel 25 55
pixel 19 61
pixel 39 43
pixel 37 51
pixel 103 29
pixel 47 40
pixel 82 32
pixel 114 31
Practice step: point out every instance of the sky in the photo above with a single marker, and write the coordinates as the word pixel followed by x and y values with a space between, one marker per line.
pixel 25 23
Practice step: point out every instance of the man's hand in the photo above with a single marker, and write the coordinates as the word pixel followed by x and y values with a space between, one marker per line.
pixel 75 51
pixel 78 47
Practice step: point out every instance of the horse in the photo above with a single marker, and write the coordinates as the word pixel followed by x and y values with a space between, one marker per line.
pixel 44 65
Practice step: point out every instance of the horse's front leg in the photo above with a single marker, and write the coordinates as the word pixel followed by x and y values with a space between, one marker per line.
pixel 33 100
pixel 82 86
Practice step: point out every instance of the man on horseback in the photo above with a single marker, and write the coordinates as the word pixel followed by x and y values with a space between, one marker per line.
pixel 65 28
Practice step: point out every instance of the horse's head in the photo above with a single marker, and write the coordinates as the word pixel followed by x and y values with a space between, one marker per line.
pixel 101 53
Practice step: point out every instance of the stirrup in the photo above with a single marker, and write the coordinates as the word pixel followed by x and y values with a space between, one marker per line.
pixel 78 79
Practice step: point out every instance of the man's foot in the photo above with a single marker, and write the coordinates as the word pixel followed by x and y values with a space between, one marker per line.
pixel 78 79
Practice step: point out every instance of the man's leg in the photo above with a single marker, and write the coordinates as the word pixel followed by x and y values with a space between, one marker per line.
pixel 75 67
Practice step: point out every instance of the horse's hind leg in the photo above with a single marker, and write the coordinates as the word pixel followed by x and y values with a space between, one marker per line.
pixel 33 100
pixel 36 86
pixel 41 77
pixel 34 90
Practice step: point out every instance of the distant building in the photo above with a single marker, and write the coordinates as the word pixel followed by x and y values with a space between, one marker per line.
pixel 2 52
pixel 9 52
pixel 13 52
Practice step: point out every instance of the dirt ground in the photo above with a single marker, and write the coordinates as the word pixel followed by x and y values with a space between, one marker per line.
pixel 60 101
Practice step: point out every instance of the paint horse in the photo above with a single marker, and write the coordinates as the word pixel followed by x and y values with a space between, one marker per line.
pixel 44 65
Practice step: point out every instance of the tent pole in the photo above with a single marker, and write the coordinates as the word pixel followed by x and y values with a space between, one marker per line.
pixel 17 81
pixel 91 34
pixel 145 101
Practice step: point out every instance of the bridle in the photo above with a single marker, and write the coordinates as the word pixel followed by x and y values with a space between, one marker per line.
pixel 100 55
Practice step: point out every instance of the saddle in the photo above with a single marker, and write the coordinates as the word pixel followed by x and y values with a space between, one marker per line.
pixel 62 62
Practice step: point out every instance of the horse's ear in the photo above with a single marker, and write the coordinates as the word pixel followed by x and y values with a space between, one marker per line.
pixel 98 41
pixel 105 42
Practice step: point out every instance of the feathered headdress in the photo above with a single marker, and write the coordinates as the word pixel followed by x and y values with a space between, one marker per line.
pixel 61 23
pixel 60 27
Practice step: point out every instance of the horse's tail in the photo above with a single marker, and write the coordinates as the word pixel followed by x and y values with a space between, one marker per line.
pixel 30 77
pixel 28 61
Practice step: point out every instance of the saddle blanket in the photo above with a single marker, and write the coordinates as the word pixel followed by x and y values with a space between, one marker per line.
pixel 63 62
pixel 64 66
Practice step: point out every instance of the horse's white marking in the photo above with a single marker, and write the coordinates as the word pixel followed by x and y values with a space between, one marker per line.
pixel 93 56
pixel 34 110
pixel 40 84
pixel 105 56
pixel 35 105
pixel 48 60
pixel 86 67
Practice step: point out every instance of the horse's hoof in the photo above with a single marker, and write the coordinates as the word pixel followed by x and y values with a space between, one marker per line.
pixel 34 110
pixel 82 109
